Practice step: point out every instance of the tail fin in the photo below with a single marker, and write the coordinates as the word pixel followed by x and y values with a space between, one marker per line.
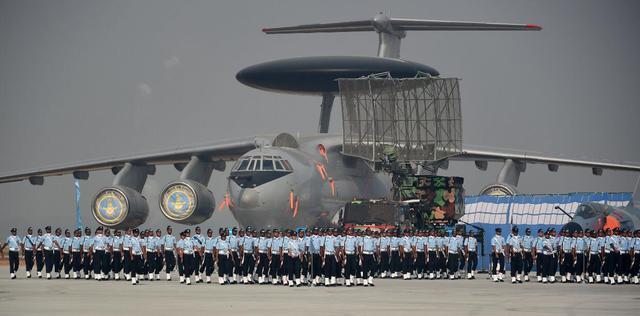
pixel 391 30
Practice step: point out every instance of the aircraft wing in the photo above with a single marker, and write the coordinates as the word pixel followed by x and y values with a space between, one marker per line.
pixel 480 156
pixel 218 151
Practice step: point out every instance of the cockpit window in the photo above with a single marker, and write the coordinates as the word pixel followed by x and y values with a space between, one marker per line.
pixel 262 163
pixel 267 165
pixel 586 211
pixel 243 164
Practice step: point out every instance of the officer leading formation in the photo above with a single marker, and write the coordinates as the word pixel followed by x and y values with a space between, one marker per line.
pixel 322 257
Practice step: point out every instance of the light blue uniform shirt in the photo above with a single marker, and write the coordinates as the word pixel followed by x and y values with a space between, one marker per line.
pixel 76 243
pixel 498 242
pixel 441 242
pixel 329 243
pixel 136 246
pixel 406 244
pixel 515 241
pixel 307 243
pixel 624 244
pixel 293 247
pixel 98 243
pixel 276 245
pixel 47 241
pixel 13 242
pixel 610 244
pixel 263 244
pixel 87 242
pixel 394 243
pixel 302 245
pixel 472 244
pixel 368 245
pixel 66 244
pixel 116 243
pixel 247 243
pixel 594 245
pixel 539 244
pixel 580 245
pixel 152 245
pixel 142 241
pixel 126 242
pixel 350 245
pixel 180 244
pixel 556 243
pixel 548 246
pixel 222 246
pixel 385 242
pixel 636 244
pixel 527 243
pixel 209 244
pixel 314 244
pixel 233 242
pixel 198 240
pixel 57 242
pixel 29 242
pixel 420 243
pixel 432 244
pixel 168 241
pixel 188 245
pixel 453 245
pixel 39 239
pixel 567 244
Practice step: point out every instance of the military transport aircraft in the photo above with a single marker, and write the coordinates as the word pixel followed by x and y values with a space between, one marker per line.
pixel 282 180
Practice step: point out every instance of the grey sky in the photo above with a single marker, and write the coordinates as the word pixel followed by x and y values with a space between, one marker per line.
pixel 88 79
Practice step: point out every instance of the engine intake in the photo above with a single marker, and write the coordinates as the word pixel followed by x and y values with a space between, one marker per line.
pixel 120 207
pixel 187 202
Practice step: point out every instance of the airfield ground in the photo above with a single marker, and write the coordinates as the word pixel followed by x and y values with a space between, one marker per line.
pixel 389 297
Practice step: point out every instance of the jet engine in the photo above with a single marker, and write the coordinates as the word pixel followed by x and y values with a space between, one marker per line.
pixel 120 207
pixel 187 202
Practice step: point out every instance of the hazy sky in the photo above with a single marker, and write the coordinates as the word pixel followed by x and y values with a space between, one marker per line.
pixel 89 79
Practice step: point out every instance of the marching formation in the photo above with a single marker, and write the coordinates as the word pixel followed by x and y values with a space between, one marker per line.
pixel 326 257
pixel 605 256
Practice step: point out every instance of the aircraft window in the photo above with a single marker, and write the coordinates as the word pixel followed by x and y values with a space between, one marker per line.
pixel 267 164
pixel 586 212
pixel 252 164
pixel 279 165
pixel 243 164
pixel 287 165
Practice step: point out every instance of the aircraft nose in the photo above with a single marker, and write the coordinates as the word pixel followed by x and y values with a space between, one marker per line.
pixel 249 198
pixel 572 227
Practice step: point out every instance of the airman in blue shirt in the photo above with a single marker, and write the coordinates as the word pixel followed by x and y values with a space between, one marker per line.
pixel 515 250
pixel 13 241
pixel 209 245
pixel 138 253
pixel 29 244
pixel 264 243
pixel 168 246
pixel 497 256
pixel 471 250
pixel 224 259
pixel 276 258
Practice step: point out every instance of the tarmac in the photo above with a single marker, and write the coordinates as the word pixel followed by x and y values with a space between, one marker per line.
pixel 389 297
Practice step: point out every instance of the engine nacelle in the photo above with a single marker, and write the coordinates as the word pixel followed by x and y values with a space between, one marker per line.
pixel 499 189
pixel 120 207
pixel 187 202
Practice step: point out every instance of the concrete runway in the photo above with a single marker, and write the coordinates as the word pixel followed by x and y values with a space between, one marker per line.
pixel 389 297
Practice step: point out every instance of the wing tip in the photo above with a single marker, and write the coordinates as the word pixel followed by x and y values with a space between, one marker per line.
pixel 534 27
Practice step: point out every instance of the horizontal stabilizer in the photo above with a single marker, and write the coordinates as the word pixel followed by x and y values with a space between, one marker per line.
pixel 392 30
